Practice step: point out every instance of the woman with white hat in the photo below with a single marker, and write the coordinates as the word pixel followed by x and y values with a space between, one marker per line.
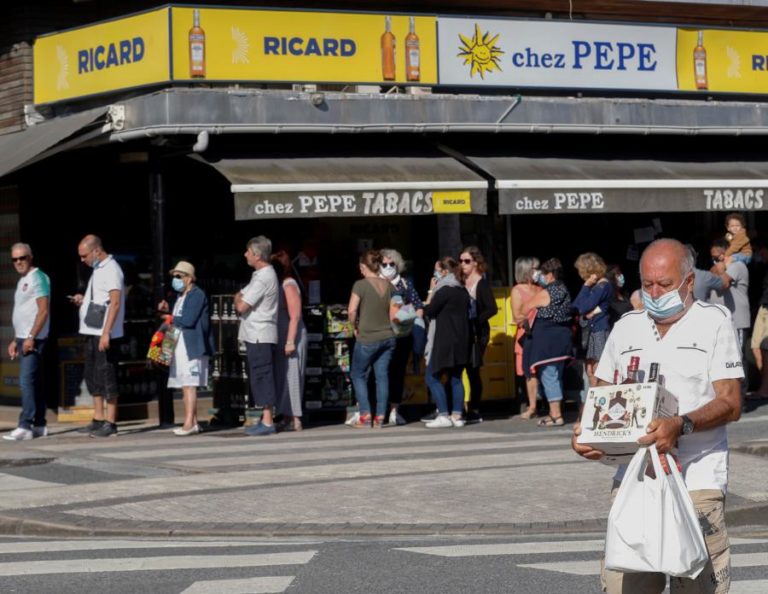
pixel 189 368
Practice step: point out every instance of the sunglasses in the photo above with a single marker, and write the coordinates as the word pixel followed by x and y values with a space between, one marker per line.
pixel 178 275
pixel 466 261
pixel 387 264
pixel 20 259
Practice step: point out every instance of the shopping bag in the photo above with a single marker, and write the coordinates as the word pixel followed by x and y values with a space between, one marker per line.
pixel 653 526
pixel 163 342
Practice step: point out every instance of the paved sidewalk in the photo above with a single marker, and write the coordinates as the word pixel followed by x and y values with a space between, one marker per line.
pixel 498 477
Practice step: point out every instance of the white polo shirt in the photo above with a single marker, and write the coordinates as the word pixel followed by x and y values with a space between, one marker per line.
pixel 106 277
pixel 259 324
pixel 30 288
pixel 697 350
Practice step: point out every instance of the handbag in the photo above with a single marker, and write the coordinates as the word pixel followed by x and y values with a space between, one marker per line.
pixel 163 342
pixel 401 316
pixel 95 313
pixel 653 525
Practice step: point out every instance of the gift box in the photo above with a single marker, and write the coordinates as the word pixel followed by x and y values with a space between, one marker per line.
pixel 615 417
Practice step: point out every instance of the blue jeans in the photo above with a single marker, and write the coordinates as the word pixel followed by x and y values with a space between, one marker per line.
pixel 438 390
pixel 551 380
pixel 32 397
pixel 374 355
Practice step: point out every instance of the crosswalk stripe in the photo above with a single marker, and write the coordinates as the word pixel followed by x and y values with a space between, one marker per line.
pixel 9 482
pixel 266 458
pixel 260 585
pixel 106 545
pixel 343 444
pixel 521 548
pixel 593 567
pixel 749 587
pixel 152 563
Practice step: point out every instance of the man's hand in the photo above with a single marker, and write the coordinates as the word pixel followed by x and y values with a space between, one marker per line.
pixel 28 345
pixel 12 349
pixel 104 343
pixel 77 299
pixel 662 432
pixel 584 450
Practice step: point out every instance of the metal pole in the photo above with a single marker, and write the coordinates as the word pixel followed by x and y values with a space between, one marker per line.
pixel 159 268
pixel 510 265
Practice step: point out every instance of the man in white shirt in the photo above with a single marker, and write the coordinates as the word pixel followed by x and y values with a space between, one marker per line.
pixel 31 304
pixel 699 358
pixel 257 305
pixel 102 308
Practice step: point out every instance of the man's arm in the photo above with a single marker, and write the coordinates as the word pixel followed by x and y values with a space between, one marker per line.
pixel 37 325
pixel 112 310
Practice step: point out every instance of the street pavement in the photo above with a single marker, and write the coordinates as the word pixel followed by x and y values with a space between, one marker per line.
pixel 494 478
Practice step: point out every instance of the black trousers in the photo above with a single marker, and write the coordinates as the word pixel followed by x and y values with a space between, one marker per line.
pixel 403 349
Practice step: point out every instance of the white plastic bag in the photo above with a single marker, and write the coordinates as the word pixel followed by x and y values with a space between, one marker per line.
pixel 653 526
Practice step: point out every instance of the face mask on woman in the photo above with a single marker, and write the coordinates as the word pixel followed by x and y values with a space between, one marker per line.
pixel 620 281
pixel 665 306
pixel 177 284
pixel 388 272
pixel 539 278
pixel 436 274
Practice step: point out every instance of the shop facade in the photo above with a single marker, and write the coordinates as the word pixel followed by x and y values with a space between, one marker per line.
pixel 444 156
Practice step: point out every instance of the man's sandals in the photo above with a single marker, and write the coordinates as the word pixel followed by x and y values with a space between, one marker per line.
pixel 549 421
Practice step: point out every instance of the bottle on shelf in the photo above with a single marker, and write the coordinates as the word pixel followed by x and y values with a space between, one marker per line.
pixel 412 53
pixel 196 47
pixel 633 371
pixel 388 51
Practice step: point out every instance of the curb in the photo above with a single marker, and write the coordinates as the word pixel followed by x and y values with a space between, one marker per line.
pixel 749 515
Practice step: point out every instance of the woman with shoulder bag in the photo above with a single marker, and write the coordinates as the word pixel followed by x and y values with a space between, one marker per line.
pixel 392 267
pixel 189 367
pixel 482 307
pixel 524 290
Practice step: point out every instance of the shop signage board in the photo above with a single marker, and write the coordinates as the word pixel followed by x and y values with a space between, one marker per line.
pixel 383 201
pixel 118 54
pixel 273 45
pixel 654 196
pixel 552 54
pixel 722 61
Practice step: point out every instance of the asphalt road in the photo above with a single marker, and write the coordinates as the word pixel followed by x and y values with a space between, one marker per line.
pixel 552 564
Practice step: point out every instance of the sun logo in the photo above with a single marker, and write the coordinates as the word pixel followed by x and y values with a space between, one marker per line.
pixel 62 79
pixel 242 46
pixel 480 52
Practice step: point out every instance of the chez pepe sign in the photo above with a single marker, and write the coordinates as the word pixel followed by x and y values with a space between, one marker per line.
pixel 256 205
pixel 614 200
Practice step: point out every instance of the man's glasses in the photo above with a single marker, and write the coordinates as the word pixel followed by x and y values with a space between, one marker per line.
pixel 19 259
pixel 466 260
pixel 387 264
pixel 178 275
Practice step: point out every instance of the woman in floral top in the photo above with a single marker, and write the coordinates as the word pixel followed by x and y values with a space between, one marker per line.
pixel 551 338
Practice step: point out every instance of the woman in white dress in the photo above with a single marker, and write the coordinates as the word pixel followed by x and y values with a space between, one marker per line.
pixel 189 367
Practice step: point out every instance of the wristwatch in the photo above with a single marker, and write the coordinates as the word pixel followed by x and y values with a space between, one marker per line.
pixel 687 427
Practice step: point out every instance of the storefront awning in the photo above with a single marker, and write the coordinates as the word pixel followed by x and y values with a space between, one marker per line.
pixel 550 185
pixel 352 186
pixel 21 148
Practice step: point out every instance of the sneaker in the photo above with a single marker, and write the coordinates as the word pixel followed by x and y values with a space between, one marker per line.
pixel 261 429
pixel 40 431
pixel 106 429
pixel 353 419
pixel 19 434
pixel 430 417
pixel 92 426
pixel 395 418
pixel 442 421
pixel 378 421
pixel 473 416
pixel 457 421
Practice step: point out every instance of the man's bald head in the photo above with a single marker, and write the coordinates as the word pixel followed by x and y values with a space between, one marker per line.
pixel 91 242
pixel 667 250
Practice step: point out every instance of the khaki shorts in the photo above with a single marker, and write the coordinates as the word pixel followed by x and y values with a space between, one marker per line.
pixel 715 578
pixel 760 329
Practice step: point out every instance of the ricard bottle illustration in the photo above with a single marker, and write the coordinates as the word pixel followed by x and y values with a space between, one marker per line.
pixel 412 53
pixel 388 50
pixel 700 63
pixel 196 47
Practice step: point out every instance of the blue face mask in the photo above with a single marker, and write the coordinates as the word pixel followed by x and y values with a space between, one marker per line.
pixel 437 275
pixel 620 281
pixel 177 284
pixel 666 306
pixel 539 279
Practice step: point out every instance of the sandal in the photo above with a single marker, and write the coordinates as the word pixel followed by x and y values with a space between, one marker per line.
pixel 529 414
pixel 548 421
